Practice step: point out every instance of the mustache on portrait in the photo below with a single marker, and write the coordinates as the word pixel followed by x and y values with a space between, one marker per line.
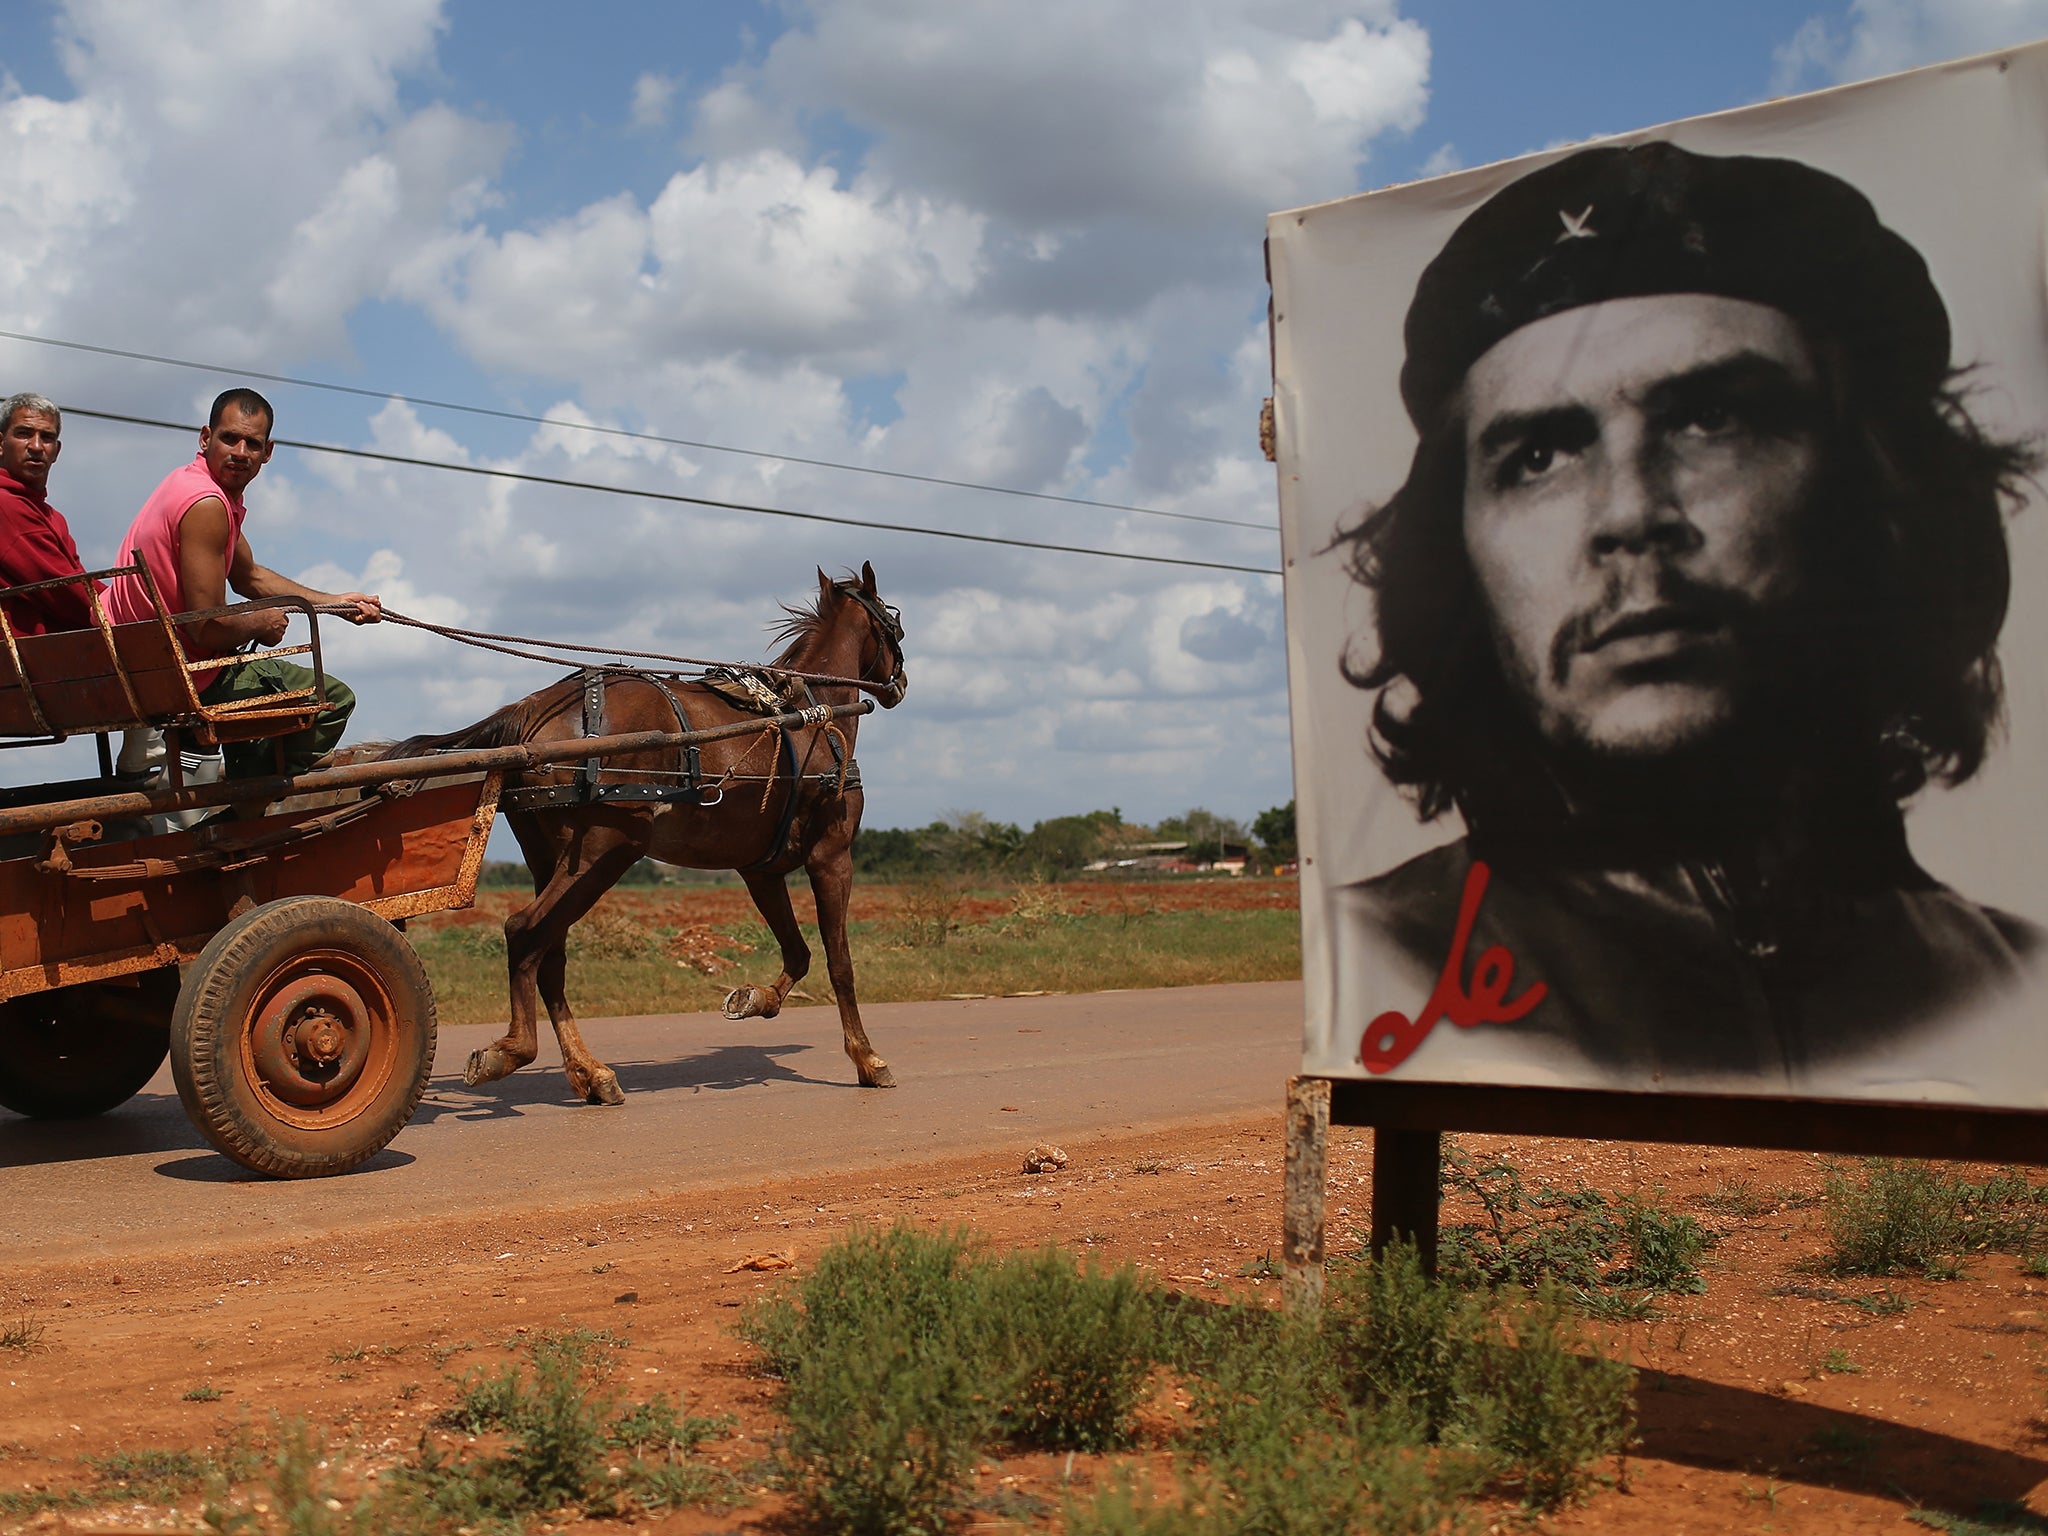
pixel 1676 602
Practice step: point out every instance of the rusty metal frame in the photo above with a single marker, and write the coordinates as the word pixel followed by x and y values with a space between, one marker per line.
pixel 198 715
pixel 39 818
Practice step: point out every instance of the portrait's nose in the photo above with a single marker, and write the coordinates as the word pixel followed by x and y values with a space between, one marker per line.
pixel 1635 508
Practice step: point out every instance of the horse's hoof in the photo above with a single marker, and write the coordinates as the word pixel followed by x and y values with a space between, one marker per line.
pixel 878 1075
pixel 604 1088
pixel 751 1003
pixel 487 1066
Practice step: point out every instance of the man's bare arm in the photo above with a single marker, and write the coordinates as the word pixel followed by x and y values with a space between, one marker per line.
pixel 206 574
pixel 252 580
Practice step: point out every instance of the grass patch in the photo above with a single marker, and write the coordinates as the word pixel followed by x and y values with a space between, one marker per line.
pixel 1889 1216
pixel 907 1357
pixel 23 1336
pixel 1612 1254
pixel 629 965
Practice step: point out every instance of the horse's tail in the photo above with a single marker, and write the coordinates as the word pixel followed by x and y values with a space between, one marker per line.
pixel 506 728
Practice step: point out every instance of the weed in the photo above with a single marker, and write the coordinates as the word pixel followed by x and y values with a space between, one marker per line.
pixel 1075 1346
pixel 887 1405
pixel 154 1476
pixel 609 934
pixel 1738 1197
pixel 1147 1165
pixel 1263 1267
pixel 1579 1238
pixel 905 1354
pixel 299 1495
pixel 24 1335
pixel 1402 1344
pixel 1884 1303
pixel 1545 1410
pixel 658 1425
pixel 205 1392
pixel 1995 1517
pixel 2036 1264
pixel 931 905
pixel 1845 1443
pixel 346 1354
pixel 1902 1217
pixel 1896 1219
pixel 1836 1362
pixel 441 1354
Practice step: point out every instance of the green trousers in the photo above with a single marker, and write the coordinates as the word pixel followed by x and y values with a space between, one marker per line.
pixel 252 679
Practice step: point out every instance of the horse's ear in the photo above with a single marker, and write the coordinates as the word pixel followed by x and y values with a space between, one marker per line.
pixel 824 585
pixel 867 578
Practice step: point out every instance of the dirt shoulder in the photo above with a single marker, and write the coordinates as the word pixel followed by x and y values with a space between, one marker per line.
pixel 1778 1400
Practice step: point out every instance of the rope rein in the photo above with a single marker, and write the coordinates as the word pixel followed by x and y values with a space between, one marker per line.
pixel 522 647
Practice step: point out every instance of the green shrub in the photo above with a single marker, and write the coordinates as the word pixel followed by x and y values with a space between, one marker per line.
pixel 1589 1242
pixel 1076 1346
pixel 888 1400
pixel 906 1354
pixel 1899 1217
pixel 1544 1410
pixel 1400 1340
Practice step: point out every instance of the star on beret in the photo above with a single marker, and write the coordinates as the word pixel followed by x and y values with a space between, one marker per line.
pixel 1576 228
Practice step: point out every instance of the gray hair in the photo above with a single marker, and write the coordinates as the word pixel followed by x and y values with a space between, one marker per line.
pixel 29 400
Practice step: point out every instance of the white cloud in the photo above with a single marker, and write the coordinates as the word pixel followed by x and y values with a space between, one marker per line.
pixel 948 237
pixel 652 96
pixel 1883 36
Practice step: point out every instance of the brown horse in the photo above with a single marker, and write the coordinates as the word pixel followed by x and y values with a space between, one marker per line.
pixel 763 805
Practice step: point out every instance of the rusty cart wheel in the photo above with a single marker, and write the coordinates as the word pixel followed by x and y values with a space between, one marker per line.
pixel 303 1037
pixel 79 1051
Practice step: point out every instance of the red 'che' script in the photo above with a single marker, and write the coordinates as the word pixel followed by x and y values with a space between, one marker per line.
pixel 1393 1035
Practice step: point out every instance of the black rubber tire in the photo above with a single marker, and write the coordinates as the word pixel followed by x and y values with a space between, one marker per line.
pixel 303 1108
pixel 79 1051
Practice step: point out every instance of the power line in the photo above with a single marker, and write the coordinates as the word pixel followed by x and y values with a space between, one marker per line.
pixel 692 501
pixel 639 437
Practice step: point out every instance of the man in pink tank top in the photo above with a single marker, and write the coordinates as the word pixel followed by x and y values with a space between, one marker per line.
pixel 189 535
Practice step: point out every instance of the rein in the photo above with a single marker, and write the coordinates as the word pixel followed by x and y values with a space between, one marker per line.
pixel 549 652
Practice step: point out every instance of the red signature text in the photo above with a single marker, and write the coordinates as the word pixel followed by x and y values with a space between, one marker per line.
pixel 1393 1035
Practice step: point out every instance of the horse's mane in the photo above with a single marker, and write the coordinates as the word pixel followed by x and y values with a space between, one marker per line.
pixel 804 621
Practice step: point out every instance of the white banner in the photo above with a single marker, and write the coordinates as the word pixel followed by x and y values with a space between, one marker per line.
pixel 1667 604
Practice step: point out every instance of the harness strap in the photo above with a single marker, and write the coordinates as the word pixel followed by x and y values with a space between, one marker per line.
pixel 593 726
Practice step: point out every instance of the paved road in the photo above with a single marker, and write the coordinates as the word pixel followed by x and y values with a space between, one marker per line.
pixel 708 1103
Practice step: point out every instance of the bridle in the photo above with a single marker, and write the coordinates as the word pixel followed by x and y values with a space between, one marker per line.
pixel 888 625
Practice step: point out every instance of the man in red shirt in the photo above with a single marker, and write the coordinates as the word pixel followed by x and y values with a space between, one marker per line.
pixel 35 542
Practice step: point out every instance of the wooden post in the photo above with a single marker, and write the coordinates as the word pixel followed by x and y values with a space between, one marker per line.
pixel 1406 1166
pixel 1301 1233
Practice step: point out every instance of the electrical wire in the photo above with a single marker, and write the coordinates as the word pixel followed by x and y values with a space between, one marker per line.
pixel 622 432
pixel 677 497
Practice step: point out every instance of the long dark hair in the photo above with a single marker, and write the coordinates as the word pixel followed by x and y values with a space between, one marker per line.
pixel 1907 549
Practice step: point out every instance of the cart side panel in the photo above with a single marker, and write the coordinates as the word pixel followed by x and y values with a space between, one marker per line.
pixel 406 857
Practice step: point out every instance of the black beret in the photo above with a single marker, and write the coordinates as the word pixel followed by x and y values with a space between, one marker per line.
pixel 1617 223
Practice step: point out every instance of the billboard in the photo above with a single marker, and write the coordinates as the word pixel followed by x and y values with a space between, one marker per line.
pixel 1667 604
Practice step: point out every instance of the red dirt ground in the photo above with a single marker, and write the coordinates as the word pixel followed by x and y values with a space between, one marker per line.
pixel 677 905
pixel 1743 1426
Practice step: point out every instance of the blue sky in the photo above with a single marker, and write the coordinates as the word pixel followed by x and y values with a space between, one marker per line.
pixel 1011 245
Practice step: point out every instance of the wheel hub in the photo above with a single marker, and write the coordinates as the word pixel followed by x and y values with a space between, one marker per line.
pixel 311 1039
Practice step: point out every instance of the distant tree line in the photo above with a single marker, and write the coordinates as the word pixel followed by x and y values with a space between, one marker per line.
pixel 969 842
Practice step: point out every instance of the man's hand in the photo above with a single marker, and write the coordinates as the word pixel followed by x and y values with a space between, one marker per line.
pixel 369 608
pixel 266 626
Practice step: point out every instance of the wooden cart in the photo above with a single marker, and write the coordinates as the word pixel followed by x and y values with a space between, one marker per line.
pixel 263 949
pixel 301 1030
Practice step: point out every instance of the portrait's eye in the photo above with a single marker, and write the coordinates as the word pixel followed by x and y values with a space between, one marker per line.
pixel 1709 419
pixel 1528 462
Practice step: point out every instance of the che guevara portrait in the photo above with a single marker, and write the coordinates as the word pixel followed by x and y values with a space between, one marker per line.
pixel 1684 584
